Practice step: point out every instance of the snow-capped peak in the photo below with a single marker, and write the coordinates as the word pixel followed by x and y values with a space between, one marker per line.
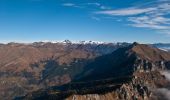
pixel 74 42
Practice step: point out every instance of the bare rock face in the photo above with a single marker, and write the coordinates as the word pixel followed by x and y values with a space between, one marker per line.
pixel 139 88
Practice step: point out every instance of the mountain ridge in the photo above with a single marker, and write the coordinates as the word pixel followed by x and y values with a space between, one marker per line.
pixel 109 70
pixel 40 66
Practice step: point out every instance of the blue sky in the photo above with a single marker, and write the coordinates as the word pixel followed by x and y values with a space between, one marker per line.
pixel 146 21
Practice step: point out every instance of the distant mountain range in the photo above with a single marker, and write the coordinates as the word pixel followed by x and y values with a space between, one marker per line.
pixel 66 70
pixel 163 46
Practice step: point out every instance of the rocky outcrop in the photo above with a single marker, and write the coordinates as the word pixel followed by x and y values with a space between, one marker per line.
pixel 139 88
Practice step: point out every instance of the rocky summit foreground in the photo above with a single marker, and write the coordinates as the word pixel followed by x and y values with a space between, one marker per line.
pixel 135 72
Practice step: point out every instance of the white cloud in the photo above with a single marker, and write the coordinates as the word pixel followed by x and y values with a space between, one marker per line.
pixel 164 92
pixel 153 22
pixel 125 12
pixel 151 15
pixel 71 5
pixel 96 4
pixel 164 6
pixel 68 4
pixel 167 74
pixel 151 26
pixel 104 7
